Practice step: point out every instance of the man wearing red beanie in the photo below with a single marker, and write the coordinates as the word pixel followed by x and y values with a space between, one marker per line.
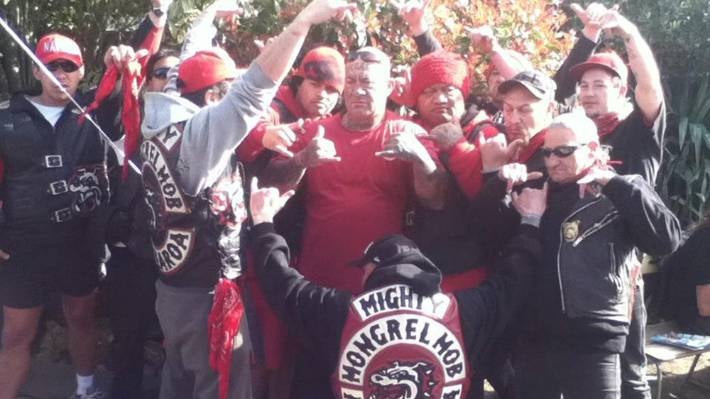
pixel 194 195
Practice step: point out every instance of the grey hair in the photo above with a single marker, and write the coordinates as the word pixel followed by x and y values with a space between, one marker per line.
pixel 584 128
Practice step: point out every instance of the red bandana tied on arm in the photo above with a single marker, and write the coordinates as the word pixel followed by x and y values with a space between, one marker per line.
pixel 223 325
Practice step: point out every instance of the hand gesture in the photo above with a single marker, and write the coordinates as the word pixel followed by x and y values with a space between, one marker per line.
pixel 515 174
pixel 279 138
pixel 496 152
pixel 446 135
pixel 591 17
pixel 122 56
pixel 613 21
pixel 319 151
pixel 401 80
pixel 414 13
pixel 266 202
pixel 531 202
pixel 483 38
pixel 319 11
pixel 403 144
pixel 595 178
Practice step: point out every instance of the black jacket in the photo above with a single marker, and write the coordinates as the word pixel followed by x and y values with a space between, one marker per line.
pixel 55 176
pixel 588 256
pixel 317 314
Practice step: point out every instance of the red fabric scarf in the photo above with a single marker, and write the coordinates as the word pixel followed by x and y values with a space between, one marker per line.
pixel 535 143
pixel 607 123
pixel 130 115
pixel 223 325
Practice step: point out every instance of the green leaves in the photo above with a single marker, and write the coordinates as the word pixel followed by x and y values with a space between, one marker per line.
pixel 686 169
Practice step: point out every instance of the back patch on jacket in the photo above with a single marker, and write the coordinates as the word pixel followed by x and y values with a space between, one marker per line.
pixel 398 344
pixel 166 202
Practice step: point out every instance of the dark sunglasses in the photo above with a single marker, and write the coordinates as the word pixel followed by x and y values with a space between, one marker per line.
pixel 366 56
pixel 562 151
pixel 160 73
pixel 66 66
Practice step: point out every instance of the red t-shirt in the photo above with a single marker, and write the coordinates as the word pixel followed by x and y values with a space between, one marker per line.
pixel 352 202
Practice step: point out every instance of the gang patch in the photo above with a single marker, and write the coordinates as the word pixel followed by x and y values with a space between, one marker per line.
pixel 165 202
pixel 398 344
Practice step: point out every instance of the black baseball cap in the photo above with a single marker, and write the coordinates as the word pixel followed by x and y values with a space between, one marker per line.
pixel 536 82
pixel 392 249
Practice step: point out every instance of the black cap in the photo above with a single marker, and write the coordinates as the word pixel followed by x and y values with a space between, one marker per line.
pixel 536 82
pixel 393 249
pixel 397 260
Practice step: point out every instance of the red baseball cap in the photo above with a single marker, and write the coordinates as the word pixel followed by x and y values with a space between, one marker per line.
pixel 607 60
pixel 204 69
pixel 323 64
pixel 54 46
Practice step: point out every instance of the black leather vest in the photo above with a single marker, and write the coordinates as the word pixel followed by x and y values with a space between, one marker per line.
pixel 194 239
pixel 53 175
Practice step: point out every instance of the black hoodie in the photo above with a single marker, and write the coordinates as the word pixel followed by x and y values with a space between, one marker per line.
pixel 317 314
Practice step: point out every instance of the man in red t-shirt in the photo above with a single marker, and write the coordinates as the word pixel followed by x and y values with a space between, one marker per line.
pixel 359 170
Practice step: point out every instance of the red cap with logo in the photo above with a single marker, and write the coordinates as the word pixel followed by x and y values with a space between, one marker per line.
pixel 204 69
pixel 54 47
pixel 607 60
pixel 323 64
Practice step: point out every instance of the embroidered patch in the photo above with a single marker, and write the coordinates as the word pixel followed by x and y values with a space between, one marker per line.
pixel 570 230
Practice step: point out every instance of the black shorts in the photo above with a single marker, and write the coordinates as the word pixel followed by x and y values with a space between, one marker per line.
pixel 34 272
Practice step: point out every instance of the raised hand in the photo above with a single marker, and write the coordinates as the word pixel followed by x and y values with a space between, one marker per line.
pixel 617 24
pixel 496 152
pixel 279 138
pixel 592 18
pixel 446 135
pixel 483 39
pixel 122 56
pixel 414 13
pixel 319 151
pixel 319 11
pixel 531 202
pixel 401 80
pixel 266 202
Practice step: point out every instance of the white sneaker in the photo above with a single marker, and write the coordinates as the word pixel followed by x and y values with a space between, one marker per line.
pixel 91 393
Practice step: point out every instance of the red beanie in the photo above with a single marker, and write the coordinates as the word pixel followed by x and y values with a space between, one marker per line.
pixel 204 69
pixel 324 64
pixel 439 67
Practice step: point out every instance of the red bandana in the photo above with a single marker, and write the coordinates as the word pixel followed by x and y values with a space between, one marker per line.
pixel 607 123
pixel 535 143
pixel 130 115
pixel 223 325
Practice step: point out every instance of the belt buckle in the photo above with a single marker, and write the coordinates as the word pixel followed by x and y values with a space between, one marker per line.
pixel 61 215
pixel 53 161
pixel 58 187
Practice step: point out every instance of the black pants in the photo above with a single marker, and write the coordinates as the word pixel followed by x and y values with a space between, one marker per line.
pixel 634 384
pixel 129 289
pixel 545 372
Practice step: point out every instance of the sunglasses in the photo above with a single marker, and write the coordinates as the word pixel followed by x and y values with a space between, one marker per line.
pixel 562 151
pixel 367 56
pixel 160 73
pixel 66 66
